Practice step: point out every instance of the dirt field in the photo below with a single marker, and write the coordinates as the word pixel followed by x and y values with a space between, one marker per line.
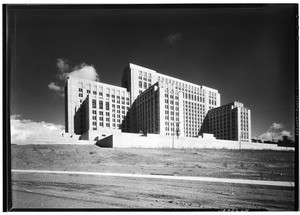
pixel 221 163
pixel 79 191
pixel 41 190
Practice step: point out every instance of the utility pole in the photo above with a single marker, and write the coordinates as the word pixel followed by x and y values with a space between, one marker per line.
pixel 240 142
pixel 173 140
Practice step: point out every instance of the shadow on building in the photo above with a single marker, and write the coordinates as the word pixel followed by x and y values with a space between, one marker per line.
pixel 80 119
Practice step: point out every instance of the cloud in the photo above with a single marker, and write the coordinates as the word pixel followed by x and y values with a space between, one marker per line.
pixel 86 72
pixel 277 126
pixel 58 89
pixel 173 38
pixel 275 132
pixel 54 86
pixel 65 69
pixel 286 133
pixel 63 65
pixel 24 130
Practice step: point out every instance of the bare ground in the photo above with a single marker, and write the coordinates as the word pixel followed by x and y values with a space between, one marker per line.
pixel 221 163
pixel 79 191
pixel 37 190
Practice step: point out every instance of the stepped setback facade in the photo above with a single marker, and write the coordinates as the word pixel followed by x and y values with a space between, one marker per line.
pixel 229 122
pixel 146 102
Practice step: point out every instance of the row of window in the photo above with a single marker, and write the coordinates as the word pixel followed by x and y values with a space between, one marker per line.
pixel 114 125
pixel 144 84
pixel 108 91
pixel 144 74
pixel 180 85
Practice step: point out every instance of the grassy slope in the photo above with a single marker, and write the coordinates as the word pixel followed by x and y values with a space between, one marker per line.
pixel 246 164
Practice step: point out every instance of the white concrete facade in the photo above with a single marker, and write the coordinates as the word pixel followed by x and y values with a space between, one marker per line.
pixel 149 102
pixel 229 122
pixel 197 100
pixel 127 140
pixel 159 110
pixel 93 105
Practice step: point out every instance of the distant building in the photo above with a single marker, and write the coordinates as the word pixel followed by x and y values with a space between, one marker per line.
pixel 147 101
pixel 229 122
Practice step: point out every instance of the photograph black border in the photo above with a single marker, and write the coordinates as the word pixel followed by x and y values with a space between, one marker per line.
pixel 8 34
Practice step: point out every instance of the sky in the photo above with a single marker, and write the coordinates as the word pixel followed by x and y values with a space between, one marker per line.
pixel 246 52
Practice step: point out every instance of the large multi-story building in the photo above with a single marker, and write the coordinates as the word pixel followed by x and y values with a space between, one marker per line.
pixel 159 110
pixel 197 100
pixel 147 101
pixel 229 122
pixel 93 105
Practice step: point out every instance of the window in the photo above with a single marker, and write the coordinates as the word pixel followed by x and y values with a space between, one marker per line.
pixel 94 103
pixel 145 85
pixel 100 104
pixel 80 95
pixel 80 90
pixel 140 84
pixel 100 113
pixel 100 94
pixel 107 105
pixel 94 92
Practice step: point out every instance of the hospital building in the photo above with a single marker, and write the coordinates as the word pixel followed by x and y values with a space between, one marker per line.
pixel 147 102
